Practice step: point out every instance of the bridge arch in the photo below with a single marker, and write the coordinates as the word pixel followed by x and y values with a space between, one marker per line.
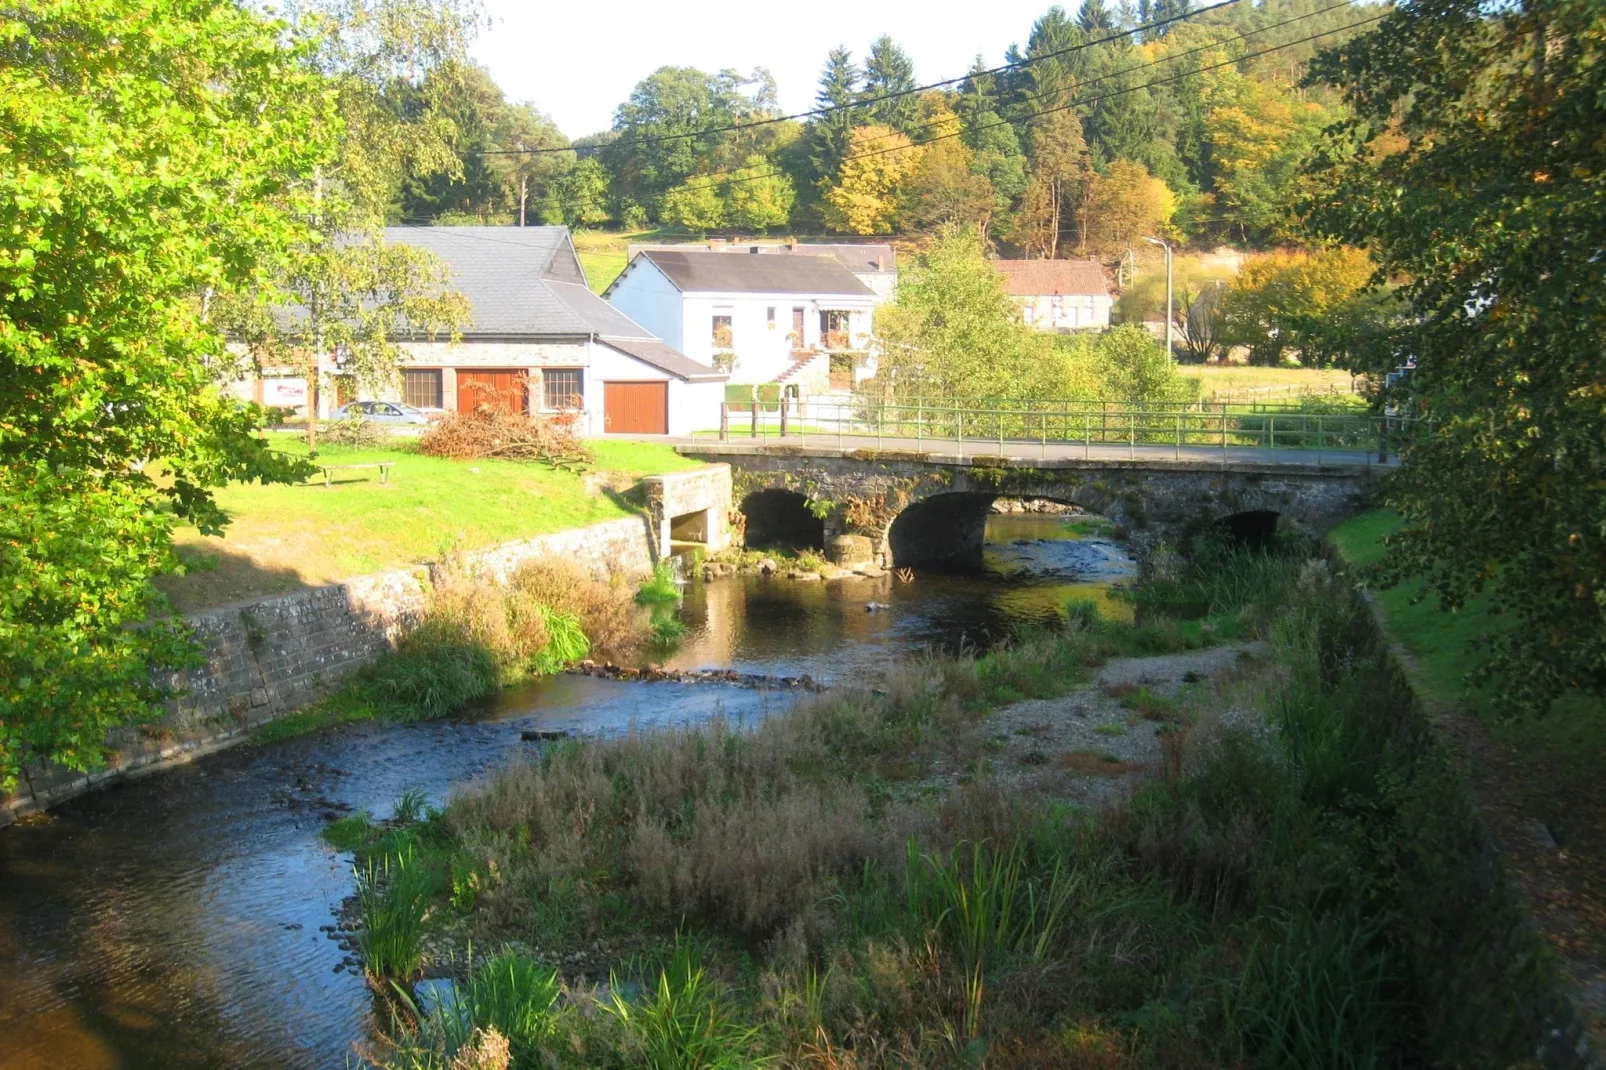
pixel 949 530
pixel 776 516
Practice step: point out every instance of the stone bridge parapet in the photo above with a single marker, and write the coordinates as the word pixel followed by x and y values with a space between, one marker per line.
pixel 924 507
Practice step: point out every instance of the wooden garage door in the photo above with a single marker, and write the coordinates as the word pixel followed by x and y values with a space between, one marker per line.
pixel 636 408
pixel 499 388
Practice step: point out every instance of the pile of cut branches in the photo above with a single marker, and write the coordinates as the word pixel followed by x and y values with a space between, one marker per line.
pixel 488 432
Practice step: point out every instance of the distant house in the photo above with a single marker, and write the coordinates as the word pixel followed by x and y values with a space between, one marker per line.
pixel 538 341
pixel 762 317
pixel 1058 295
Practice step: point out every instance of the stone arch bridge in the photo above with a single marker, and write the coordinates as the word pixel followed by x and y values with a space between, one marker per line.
pixel 924 508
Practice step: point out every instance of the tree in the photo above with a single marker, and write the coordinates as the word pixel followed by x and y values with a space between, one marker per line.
pixel 889 70
pixel 528 173
pixel 1133 367
pixel 661 128
pixel 583 194
pixel 995 150
pixel 1317 304
pixel 1094 19
pixel 155 159
pixel 831 134
pixel 353 292
pixel 865 197
pixel 1061 174
pixel 1126 204
pixel 1259 137
pixel 954 333
pixel 1198 320
pixel 758 197
pixel 943 188
pixel 695 205
pixel 1491 210
pixel 471 112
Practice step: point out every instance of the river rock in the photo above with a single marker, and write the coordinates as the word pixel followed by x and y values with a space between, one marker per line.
pixel 850 550
pixel 804 577
pixel 714 570
pixel 768 567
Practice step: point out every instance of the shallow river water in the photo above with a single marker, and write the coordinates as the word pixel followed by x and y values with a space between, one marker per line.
pixel 180 921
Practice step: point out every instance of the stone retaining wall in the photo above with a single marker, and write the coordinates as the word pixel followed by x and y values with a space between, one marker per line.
pixel 268 657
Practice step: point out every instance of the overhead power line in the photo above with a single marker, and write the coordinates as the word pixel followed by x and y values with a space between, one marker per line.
pixel 1211 46
pixel 734 177
pixel 867 102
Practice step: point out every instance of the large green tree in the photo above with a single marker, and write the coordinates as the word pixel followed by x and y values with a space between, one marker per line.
pixel 889 82
pixel 155 160
pixel 1482 183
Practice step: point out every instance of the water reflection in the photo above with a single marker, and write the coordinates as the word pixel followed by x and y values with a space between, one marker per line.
pixel 175 922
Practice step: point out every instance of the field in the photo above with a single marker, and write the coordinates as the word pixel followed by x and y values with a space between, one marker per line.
pixel 1539 780
pixel 1244 382
pixel 284 537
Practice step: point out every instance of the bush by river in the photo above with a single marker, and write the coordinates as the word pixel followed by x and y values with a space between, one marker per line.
pixel 885 877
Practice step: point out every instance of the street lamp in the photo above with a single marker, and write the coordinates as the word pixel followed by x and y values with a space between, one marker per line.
pixel 1167 247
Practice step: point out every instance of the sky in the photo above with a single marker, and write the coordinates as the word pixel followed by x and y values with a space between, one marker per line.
pixel 577 60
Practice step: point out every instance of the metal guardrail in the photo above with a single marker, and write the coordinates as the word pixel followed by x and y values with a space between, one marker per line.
pixel 1014 431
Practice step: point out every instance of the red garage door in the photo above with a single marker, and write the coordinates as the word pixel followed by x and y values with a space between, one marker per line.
pixel 497 388
pixel 635 408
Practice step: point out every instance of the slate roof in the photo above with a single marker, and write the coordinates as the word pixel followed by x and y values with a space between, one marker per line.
pixel 514 278
pixel 518 282
pixel 1035 278
pixel 703 271
pixel 651 351
pixel 860 259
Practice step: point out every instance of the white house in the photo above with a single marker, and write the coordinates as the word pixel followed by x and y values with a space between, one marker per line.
pixel 538 341
pixel 1058 295
pixel 763 318
pixel 873 263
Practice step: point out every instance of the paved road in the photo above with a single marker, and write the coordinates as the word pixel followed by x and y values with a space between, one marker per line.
pixel 1026 452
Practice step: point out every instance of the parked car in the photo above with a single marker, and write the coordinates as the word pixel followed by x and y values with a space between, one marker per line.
pixel 381 412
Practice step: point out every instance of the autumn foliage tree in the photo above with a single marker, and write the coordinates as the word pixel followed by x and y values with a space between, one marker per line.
pixel 864 199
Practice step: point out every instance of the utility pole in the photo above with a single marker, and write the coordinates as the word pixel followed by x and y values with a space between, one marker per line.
pixel 1169 326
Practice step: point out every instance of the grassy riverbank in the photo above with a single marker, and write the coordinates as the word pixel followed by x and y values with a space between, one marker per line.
pixel 880 878
pixel 478 636
pixel 1541 781
pixel 284 537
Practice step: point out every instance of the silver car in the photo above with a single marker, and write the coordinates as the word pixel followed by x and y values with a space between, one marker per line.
pixel 381 412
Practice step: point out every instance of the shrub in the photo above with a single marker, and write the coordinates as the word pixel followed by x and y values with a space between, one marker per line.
pixel 512 995
pixel 604 607
pixel 393 894
pixel 678 1024
pixel 661 589
pixel 435 669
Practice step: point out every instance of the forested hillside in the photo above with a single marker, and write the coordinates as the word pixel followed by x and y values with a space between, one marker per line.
pixel 1101 124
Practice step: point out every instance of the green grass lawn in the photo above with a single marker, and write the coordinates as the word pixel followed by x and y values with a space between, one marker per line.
pixel 284 537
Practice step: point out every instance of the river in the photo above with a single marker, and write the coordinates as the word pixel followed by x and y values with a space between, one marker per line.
pixel 182 920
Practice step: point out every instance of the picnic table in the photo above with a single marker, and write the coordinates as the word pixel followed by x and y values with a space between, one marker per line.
pixel 383 466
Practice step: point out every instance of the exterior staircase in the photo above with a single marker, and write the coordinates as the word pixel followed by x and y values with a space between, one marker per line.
pixel 810 370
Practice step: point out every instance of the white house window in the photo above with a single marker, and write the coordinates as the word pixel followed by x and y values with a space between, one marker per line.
pixel 722 332
pixel 562 388
pixel 421 387
pixel 769 317
pixel 1028 311
pixel 1058 302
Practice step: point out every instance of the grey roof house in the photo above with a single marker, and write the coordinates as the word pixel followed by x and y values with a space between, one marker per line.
pixel 539 341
